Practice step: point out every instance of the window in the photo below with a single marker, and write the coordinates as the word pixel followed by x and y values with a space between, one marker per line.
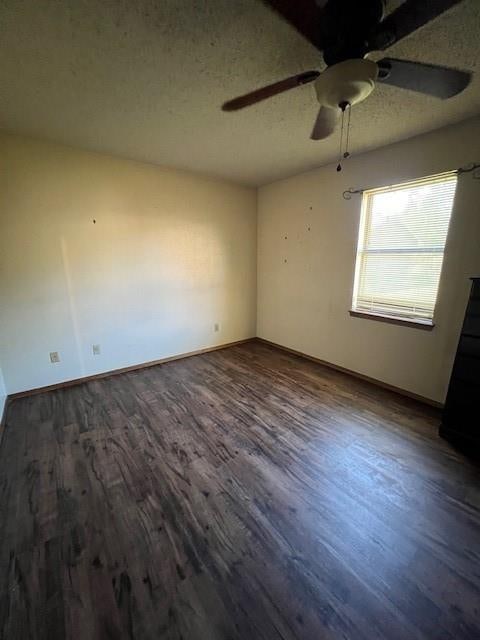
pixel 403 230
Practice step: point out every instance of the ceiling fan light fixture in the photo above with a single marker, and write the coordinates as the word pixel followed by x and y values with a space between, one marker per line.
pixel 350 81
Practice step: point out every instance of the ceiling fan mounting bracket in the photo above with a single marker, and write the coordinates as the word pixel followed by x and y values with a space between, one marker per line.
pixel 384 69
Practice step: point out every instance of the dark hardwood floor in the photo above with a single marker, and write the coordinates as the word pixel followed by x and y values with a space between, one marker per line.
pixel 245 493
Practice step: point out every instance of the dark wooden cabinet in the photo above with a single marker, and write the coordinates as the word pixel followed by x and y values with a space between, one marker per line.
pixel 460 421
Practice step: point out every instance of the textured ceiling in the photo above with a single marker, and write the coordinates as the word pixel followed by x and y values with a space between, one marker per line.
pixel 146 79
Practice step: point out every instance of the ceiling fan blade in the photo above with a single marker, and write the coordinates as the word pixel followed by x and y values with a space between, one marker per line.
pixel 410 16
pixel 271 90
pixel 325 123
pixel 304 15
pixel 441 82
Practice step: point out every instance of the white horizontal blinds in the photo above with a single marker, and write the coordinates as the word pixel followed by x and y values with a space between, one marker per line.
pixel 401 245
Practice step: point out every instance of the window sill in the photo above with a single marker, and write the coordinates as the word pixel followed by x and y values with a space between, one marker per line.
pixel 426 325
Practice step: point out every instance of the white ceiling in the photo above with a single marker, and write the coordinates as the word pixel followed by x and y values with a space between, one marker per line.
pixel 146 80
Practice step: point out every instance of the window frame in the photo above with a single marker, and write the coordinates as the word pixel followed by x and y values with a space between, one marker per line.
pixel 416 322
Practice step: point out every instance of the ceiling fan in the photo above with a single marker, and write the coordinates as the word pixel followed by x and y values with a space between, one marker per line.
pixel 346 31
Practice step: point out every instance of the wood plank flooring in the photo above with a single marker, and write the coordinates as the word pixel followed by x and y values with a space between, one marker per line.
pixel 241 494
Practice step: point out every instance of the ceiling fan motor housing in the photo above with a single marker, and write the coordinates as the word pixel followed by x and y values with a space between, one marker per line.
pixel 347 82
pixel 346 26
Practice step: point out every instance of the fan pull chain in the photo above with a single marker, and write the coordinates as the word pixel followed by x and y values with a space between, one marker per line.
pixel 344 106
pixel 347 153
pixel 339 166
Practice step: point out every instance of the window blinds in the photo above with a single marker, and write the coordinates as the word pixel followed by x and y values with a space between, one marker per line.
pixel 402 237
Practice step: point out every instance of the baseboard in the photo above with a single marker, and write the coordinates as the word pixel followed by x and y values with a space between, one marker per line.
pixel 114 372
pixel 355 374
pixel 180 356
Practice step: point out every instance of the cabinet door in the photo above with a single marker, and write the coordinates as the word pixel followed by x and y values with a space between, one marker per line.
pixel 462 406
pixel 461 409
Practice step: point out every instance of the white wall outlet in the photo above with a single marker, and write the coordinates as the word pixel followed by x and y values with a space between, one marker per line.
pixel 216 327
pixel 54 357
pixel 96 349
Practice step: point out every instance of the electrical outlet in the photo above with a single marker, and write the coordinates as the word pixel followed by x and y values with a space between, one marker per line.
pixel 96 349
pixel 216 327
pixel 54 357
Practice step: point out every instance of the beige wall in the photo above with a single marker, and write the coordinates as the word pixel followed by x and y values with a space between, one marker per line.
pixel 307 235
pixel 170 255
